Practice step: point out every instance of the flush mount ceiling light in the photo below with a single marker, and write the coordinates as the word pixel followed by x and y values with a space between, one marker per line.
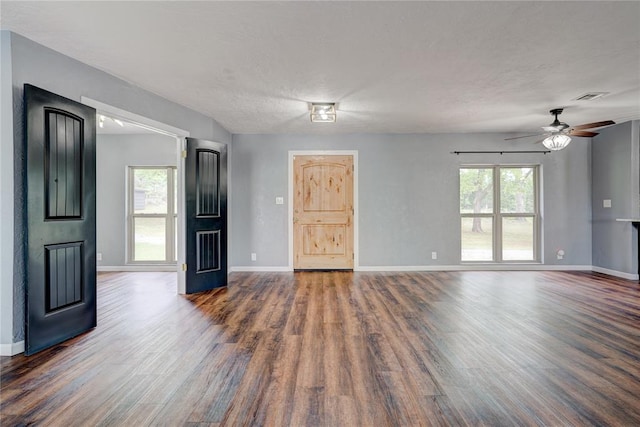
pixel 324 112
pixel 556 142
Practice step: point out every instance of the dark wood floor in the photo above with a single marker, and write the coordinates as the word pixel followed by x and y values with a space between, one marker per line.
pixel 343 349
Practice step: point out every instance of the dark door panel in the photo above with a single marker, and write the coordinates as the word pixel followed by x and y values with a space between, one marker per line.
pixel 206 215
pixel 60 219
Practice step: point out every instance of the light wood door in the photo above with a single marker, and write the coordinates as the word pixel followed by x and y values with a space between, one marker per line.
pixel 323 212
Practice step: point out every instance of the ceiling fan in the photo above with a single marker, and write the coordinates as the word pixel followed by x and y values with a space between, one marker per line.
pixel 557 134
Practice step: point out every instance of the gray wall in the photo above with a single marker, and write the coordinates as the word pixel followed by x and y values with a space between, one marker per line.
pixel 615 154
pixel 408 195
pixel 6 191
pixel 35 64
pixel 114 154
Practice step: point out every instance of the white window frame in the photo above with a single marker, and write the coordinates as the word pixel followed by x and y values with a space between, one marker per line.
pixel 171 216
pixel 497 216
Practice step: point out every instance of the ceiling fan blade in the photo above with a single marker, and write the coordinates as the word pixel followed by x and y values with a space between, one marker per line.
pixel 594 125
pixel 584 133
pixel 524 136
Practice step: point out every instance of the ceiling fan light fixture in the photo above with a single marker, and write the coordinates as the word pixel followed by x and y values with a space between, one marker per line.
pixel 323 112
pixel 557 125
pixel 556 142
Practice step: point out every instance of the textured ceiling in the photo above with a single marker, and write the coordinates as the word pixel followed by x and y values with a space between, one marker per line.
pixel 392 67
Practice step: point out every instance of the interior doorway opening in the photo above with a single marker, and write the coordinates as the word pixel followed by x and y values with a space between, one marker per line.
pixel 140 193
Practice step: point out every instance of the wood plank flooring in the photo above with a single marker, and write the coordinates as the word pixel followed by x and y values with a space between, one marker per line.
pixel 343 349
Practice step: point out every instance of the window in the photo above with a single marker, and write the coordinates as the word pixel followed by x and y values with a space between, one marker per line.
pixel 499 214
pixel 152 214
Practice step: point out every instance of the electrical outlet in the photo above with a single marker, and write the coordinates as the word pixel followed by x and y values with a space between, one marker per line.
pixel 99 256
pixel 279 200
pixel 606 203
pixel 560 254
pixel 434 255
pixel 254 257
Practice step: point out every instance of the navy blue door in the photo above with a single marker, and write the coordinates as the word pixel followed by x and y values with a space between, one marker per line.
pixel 206 215
pixel 60 219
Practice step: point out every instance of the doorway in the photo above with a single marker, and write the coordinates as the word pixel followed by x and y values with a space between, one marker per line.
pixel 323 210
pixel 171 141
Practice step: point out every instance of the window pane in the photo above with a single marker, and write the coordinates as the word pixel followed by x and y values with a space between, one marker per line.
pixel 477 239
pixel 517 239
pixel 476 190
pixel 517 190
pixel 150 191
pixel 149 239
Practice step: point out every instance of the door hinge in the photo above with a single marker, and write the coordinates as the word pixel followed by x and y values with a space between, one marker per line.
pixel 184 154
pixel 184 267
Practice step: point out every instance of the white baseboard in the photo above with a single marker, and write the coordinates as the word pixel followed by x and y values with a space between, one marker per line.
pixel 477 267
pixel 12 349
pixel 404 268
pixel 127 268
pixel 463 267
pixel 628 276
pixel 246 268
pixel 373 268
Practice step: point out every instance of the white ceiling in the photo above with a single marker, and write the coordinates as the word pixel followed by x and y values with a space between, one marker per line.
pixel 392 67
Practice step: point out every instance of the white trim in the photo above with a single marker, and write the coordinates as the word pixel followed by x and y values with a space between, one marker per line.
pixel 132 268
pixel 478 267
pixel 246 268
pixel 474 267
pixel 381 268
pixel 229 205
pixel 356 209
pixel 145 122
pixel 628 276
pixel 181 256
pixel 635 171
pixel 12 349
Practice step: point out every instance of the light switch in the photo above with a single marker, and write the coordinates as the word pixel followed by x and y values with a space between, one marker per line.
pixel 606 203
pixel 279 200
